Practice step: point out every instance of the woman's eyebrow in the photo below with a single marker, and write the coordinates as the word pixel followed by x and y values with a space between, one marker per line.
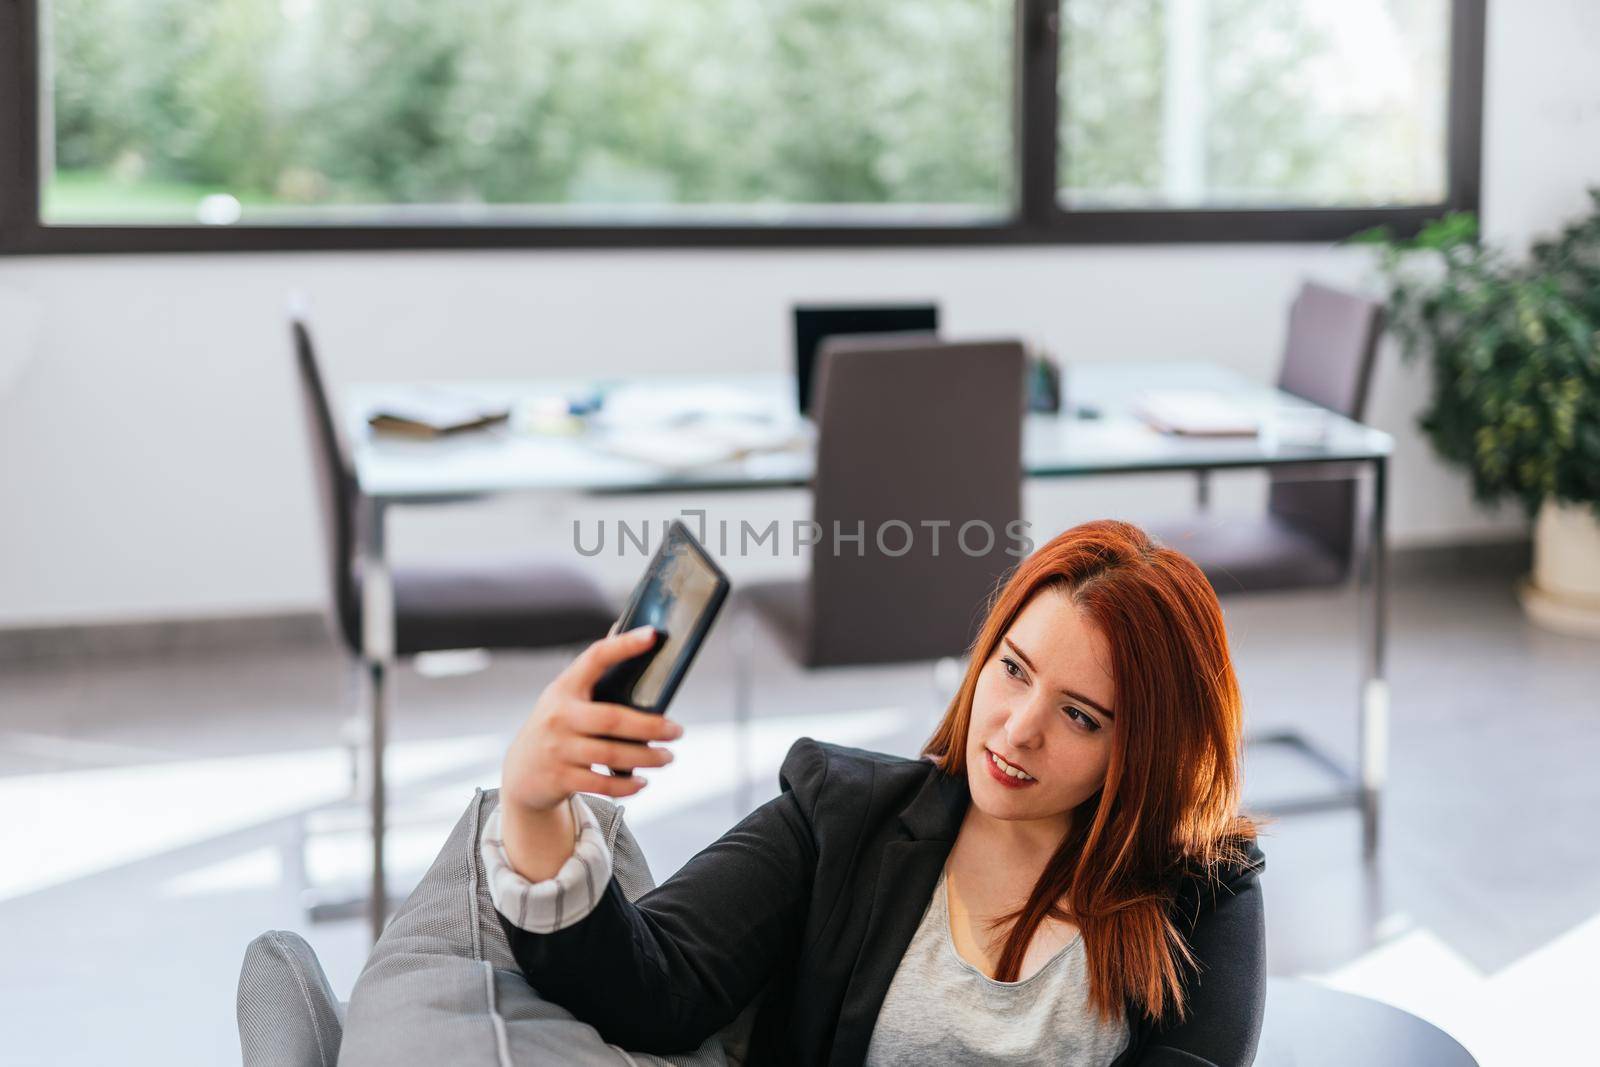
pixel 1107 712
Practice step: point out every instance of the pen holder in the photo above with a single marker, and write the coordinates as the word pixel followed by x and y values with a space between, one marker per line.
pixel 1043 383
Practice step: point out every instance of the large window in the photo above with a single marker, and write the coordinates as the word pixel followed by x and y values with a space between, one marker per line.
pixel 219 124
pixel 268 110
pixel 1253 103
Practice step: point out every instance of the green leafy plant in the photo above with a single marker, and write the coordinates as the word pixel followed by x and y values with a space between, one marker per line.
pixel 1515 348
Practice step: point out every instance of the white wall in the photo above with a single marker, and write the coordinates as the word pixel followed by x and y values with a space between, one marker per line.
pixel 151 455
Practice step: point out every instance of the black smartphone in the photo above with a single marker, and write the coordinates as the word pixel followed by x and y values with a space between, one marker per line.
pixel 680 594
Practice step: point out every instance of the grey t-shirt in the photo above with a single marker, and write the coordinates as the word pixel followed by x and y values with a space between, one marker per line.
pixel 942 1009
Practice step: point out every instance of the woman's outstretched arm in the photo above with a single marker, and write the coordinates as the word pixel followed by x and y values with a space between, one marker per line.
pixel 664 973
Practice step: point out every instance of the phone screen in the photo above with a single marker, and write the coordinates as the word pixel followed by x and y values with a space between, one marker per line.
pixel 679 595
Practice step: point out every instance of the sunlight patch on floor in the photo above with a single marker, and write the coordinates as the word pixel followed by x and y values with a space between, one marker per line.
pixel 1524 1013
pixel 706 767
pixel 72 824
pixel 260 868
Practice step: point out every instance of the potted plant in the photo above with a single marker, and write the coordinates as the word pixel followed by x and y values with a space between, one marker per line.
pixel 1515 396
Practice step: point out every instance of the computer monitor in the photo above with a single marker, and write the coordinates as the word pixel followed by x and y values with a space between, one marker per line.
pixel 814 323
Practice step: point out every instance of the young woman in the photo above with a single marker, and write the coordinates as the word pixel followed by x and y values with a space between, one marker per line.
pixel 1063 878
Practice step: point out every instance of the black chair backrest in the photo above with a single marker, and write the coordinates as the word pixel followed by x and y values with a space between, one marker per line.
pixel 919 432
pixel 1327 359
pixel 335 476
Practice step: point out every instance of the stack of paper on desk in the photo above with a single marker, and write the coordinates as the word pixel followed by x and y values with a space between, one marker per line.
pixel 1196 412
pixel 700 443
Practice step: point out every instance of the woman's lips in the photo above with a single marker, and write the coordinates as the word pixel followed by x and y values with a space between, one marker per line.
pixel 1002 777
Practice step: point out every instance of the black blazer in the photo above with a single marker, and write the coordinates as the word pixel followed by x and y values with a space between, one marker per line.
pixel 813 899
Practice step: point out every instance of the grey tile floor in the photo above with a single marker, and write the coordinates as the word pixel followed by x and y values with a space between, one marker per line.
pixel 155 811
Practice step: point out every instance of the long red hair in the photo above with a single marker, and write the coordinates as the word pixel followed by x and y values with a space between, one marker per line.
pixel 1170 801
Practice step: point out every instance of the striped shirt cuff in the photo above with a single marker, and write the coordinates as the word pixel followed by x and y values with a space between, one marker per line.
pixel 554 903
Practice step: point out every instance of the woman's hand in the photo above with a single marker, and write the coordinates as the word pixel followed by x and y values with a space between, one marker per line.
pixel 568 733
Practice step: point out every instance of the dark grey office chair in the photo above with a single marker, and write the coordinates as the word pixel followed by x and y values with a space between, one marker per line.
pixel 521 603
pixel 1307 536
pixel 915 440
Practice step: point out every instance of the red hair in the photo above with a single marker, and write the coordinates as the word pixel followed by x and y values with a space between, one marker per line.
pixel 1170 801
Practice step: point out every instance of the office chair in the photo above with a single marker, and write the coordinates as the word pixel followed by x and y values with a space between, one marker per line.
pixel 1307 536
pixel 912 432
pixel 522 603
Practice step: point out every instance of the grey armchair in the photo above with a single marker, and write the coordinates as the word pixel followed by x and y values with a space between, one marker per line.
pixel 441 985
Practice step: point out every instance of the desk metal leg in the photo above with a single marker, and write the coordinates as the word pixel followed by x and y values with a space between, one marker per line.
pixel 1374 719
pixel 1362 787
pixel 377 640
pixel 744 693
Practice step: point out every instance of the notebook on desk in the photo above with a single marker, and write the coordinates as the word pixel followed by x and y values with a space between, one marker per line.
pixel 1196 413
pixel 423 411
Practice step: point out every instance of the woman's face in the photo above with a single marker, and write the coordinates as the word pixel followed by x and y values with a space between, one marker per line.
pixel 1044 704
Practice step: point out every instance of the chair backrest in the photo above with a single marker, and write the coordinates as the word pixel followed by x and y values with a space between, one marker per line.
pixel 334 471
pixel 1327 359
pixel 919 449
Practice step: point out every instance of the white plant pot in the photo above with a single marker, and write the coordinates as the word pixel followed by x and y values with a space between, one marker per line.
pixel 1563 593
